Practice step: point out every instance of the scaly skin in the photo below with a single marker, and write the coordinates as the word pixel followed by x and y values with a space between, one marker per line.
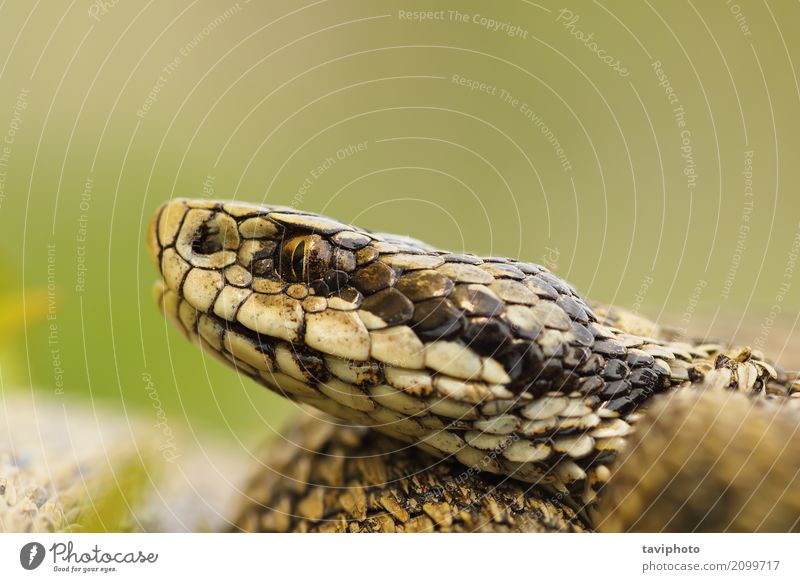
pixel 466 358
pixel 332 478
pixel 700 460
pixel 711 461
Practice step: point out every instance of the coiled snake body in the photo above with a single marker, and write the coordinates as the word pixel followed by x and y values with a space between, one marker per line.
pixel 495 363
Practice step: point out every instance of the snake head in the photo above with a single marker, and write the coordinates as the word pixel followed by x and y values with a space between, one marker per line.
pixel 495 361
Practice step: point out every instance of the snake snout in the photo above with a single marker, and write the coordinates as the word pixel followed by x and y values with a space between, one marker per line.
pixel 163 228
pixel 187 234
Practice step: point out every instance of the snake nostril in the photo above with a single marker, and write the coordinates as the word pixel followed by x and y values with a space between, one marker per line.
pixel 208 240
pixel 216 234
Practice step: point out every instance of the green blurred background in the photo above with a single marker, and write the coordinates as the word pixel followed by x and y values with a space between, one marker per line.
pixel 551 155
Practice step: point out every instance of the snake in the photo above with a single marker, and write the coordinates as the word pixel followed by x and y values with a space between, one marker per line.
pixel 492 364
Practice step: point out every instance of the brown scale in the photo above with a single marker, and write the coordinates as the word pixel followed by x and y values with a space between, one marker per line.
pixel 425 284
pixel 390 305
pixel 373 278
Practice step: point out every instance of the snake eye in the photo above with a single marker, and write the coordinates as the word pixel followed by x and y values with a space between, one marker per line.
pixel 305 258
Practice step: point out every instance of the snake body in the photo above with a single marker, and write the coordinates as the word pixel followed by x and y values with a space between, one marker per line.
pixel 708 461
pixel 495 363
pixel 700 460
pixel 333 478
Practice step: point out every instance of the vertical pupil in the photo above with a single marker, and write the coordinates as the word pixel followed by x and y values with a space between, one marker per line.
pixel 299 261
pixel 305 258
